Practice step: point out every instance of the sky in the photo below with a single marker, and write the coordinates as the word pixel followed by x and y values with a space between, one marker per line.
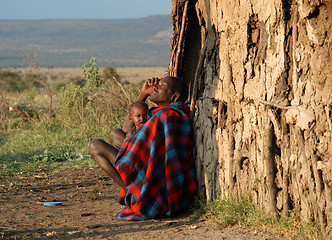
pixel 82 9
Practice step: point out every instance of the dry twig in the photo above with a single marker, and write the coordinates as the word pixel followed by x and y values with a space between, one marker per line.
pixel 30 58
pixel 22 115
pixel 120 85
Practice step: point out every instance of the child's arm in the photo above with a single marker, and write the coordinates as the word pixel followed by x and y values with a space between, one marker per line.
pixel 128 124
pixel 131 132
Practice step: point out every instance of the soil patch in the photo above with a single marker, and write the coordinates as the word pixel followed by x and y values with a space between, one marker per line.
pixel 88 212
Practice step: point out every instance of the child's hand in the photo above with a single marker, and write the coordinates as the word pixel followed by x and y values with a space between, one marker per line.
pixel 131 132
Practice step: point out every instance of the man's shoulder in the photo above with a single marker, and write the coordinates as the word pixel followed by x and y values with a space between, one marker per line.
pixel 180 107
pixel 171 112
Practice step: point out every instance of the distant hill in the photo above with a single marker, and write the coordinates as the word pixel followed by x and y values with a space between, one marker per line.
pixel 71 43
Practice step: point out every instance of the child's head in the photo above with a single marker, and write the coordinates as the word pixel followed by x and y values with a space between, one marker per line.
pixel 138 113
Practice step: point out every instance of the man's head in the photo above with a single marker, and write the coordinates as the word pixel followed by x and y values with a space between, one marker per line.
pixel 169 90
pixel 138 113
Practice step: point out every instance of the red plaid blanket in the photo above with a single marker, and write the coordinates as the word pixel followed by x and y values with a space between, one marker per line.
pixel 157 165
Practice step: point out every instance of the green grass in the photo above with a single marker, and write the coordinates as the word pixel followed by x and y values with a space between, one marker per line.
pixel 48 144
pixel 231 211
pixel 30 151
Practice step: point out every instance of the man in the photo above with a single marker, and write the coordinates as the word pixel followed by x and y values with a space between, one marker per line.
pixel 154 167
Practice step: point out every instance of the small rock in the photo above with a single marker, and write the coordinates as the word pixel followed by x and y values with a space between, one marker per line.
pixel 52 233
pixel 86 214
pixel 193 227
pixel 93 226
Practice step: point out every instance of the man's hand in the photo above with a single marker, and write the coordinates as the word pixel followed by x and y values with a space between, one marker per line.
pixel 147 88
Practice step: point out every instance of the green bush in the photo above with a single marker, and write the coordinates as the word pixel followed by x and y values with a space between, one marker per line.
pixel 109 72
pixel 92 75
pixel 100 105
pixel 33 80
pixel 79 81
pixel 60 86
pixel 11 81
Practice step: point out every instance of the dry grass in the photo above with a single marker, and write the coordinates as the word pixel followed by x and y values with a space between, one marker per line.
pixel 135 75
pixel 130 74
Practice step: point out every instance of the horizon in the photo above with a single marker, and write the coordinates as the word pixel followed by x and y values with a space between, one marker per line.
pixel 71 42
pixel 98 19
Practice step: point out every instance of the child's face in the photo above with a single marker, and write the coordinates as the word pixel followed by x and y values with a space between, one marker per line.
pixel 138 116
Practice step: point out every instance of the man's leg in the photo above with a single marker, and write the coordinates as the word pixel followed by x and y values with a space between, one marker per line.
pixel 117 137
pixel 104 154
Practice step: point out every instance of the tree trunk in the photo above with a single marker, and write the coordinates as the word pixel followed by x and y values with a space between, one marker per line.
pixel 261 94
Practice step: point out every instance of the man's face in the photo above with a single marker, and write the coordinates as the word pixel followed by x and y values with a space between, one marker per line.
pixel 138 115
pixel 163 92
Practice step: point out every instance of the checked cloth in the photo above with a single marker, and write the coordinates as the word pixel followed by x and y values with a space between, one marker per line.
pixel 157 165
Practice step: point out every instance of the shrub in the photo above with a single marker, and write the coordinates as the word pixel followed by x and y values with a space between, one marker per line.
pixel 32 80
pixel 73 101
pixel 11 81
pixel 92 75
pixel 109 72
pixel 98 106
pixel 60 86
pixel 78 81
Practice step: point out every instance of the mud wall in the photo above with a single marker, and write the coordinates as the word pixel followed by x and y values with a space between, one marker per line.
pixel 261 85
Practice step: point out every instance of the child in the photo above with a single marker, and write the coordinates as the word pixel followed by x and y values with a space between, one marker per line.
pixel 138 115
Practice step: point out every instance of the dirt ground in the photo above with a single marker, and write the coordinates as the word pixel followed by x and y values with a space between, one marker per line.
pixel 88 212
